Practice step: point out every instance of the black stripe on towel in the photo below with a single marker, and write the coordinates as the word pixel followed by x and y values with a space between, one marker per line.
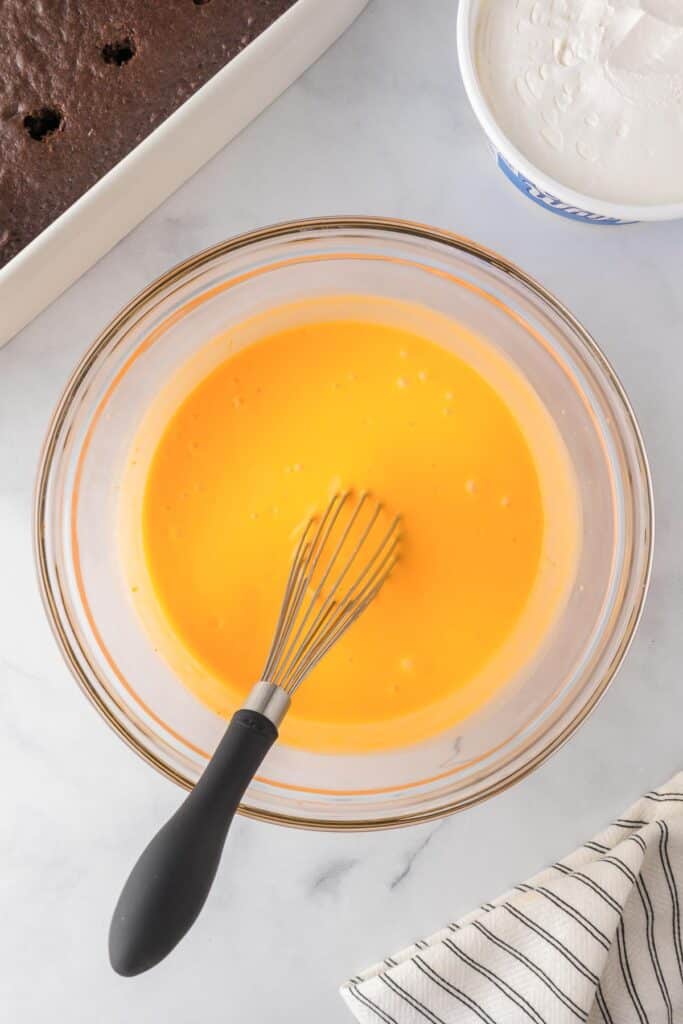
pixel 368 1003
pixel 602 1006
pixel 598 890
pixel 663 797
pixel 646 903
pixel 628 977
pixel 571 911
pixel 553 941
pixel 512 994
pixel 596 847
pixel 453 990
pixel 652 946
pixel 534 968
pixel 624 868
pixel 562 868
pixel 649 924
pixel 588 926
pixel 671 883
pixel 411 1000
pixel 630 823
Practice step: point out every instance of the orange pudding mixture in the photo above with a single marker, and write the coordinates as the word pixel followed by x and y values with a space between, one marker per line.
pixel 468 457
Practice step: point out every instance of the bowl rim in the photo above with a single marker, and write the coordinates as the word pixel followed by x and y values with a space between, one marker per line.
pixel 627 212
pixel 414 229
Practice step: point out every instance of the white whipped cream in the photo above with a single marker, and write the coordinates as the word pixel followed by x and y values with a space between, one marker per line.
pixel 590 91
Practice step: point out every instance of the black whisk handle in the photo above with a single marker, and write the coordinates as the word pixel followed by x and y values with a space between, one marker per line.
pixel 169 884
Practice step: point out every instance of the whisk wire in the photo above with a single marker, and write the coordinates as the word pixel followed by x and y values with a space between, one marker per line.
pixel 286 606
pixel 351 604
pixel 305 632
pixel 288 603
pixel 299 578
pixel 308 567
pixel 354 610
pixel 299 645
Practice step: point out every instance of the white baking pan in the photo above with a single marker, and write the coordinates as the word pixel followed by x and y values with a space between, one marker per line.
pixel 168 157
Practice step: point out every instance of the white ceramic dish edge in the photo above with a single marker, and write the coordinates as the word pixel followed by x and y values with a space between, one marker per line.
pixel 525 176
pixel 168 157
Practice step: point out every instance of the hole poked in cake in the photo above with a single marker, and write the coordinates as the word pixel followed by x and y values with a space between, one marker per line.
pixel 200 3
pixel 118 52
pixel 41 123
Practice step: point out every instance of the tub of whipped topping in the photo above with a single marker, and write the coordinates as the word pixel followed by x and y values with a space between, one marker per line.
pixel 582 101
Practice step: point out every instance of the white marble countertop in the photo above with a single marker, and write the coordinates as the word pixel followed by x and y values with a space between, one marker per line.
pixel 379 126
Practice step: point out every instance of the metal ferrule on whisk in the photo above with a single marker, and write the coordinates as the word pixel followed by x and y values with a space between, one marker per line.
pixel 269 700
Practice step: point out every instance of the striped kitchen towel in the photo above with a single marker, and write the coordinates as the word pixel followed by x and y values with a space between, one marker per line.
pixel 596 937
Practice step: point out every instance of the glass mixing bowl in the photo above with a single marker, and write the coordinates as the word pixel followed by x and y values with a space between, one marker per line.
pixel 93 427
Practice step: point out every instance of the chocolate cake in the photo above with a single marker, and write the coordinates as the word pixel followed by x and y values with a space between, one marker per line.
pixel 82 82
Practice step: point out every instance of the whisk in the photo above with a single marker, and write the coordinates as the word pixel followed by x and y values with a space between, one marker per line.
pixel 341 562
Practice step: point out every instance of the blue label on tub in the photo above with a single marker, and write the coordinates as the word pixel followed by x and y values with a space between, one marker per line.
pixel 551 202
